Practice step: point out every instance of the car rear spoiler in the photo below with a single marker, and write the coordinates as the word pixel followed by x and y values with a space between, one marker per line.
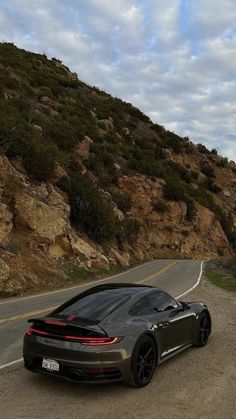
pixel 99 331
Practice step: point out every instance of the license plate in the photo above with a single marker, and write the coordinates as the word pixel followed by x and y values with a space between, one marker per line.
pixel 50 364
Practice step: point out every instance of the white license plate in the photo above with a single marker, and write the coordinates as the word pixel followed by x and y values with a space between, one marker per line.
pixel 50 364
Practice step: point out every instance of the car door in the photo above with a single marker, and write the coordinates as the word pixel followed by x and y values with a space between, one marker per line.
pixel 174 324
pixel 180 329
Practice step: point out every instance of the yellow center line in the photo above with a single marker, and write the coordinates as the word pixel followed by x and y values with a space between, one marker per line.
pixel 47 309
pixel 166 268
pixel 24 315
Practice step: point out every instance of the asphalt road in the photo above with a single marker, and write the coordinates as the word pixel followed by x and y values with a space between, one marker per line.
pixel 196 383
pixel 176 277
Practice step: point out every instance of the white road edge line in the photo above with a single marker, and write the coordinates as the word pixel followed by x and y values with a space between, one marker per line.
pixel 13 300
pixel 179 296
pixel 195 285
pixel 11 363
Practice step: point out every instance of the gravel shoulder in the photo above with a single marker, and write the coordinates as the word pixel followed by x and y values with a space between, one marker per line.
pixel 197 383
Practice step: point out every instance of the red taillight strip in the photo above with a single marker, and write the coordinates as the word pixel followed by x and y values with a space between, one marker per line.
pixel 31 330
pixel 98 341
pixel 93 341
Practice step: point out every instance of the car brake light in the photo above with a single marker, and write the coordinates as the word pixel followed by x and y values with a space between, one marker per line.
pixel 98 341
pixel 87 341
pixel 31 330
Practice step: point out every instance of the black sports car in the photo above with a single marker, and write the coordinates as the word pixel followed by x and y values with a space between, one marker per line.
pixel 114 332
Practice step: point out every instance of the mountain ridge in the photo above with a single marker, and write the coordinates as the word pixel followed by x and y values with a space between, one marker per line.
pixel 87 181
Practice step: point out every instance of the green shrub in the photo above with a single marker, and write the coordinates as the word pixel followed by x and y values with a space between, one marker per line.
pixel 203 149
pixel 41 161
pixel 211 186
pixel 174 141
pixel 208 170
pixel 122 200
pixel 222 162
pixel 89 210
pixel 131 228
pixel 191 209
pixel 174 190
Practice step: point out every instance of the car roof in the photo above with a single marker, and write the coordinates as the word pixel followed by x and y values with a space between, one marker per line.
pixel 121 288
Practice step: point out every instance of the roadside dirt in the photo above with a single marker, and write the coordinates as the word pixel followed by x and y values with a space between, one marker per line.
pixel 199 383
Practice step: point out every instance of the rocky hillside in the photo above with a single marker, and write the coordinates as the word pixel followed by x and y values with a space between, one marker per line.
pixel 88 182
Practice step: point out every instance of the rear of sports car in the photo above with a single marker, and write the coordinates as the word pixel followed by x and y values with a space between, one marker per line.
pixel 75 351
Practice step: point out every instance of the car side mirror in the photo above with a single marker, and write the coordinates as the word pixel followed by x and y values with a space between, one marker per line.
pixel 185 306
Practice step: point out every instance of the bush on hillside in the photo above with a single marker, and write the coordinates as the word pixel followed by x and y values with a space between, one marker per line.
pixel 89 210
pixel 122 200
pixel 203 149
pixel 222 162
pixel 41 160
pixel 208 170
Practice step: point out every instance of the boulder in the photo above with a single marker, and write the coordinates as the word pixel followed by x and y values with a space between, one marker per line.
pixel 81 248
pixel 9 173
pixel 55 250
pixel 47 220
pixel 83 148
pixel 126 131
pixel 108 124
pixel 100 263
pixel 226 193
pixel 38 129
pixel 50 103
pixel 166 153
pixel 93 257
pixel 123 260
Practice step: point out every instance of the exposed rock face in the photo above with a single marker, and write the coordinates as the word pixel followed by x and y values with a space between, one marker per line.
pixel 92 257
pixel 48 220
pixel 5 223
pixel 38 129
pixel 8 172
pixel 83 148
pixel 108 124
pixel 47 101
pixel 4 274
pixel 123 260
pixel 169 230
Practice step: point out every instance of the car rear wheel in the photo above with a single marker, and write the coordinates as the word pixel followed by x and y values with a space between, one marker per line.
pixel 144 361
pixel 203 330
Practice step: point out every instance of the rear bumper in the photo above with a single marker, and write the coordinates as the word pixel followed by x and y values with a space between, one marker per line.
pixel 78 363
pixel 76 373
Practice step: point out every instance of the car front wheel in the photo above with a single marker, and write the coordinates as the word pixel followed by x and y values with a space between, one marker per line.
pixel 204 330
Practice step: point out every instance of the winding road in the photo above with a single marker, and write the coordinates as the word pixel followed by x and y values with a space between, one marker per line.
pixel 196 383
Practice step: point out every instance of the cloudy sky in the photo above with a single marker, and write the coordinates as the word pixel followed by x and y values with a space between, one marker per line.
pixel 174 59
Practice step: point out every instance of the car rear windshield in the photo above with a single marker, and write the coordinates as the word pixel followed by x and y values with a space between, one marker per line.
pixel 94 306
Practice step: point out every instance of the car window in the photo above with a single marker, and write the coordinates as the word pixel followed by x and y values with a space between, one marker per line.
pixel 147 304
pixel 94 306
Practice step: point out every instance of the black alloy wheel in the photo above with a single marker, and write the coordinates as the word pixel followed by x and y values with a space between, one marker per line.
pixel 203 330
pixel 144 362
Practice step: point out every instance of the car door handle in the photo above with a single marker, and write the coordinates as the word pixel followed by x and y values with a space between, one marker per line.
pixel 163 324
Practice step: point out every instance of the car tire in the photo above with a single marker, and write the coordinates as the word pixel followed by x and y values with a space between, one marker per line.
pixel 204 330
pixel 144 362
